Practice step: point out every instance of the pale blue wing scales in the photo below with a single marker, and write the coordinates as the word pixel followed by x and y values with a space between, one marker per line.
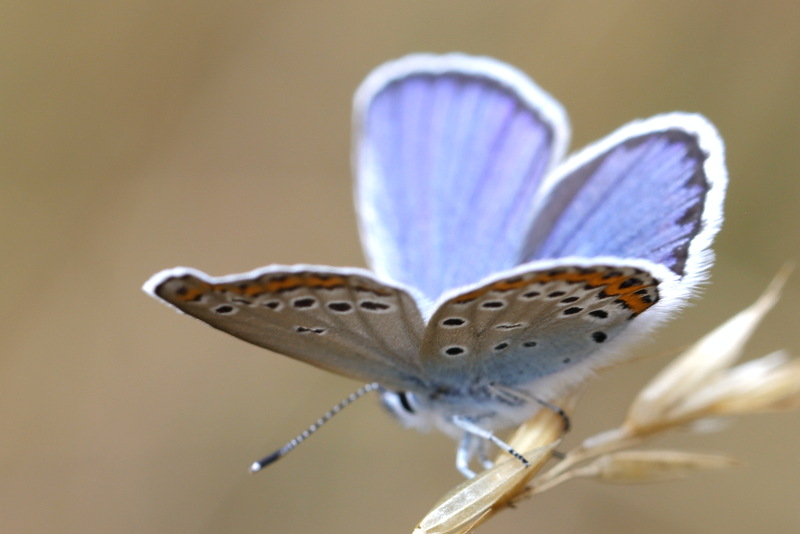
pixel 538 320
pixel 653 190
pixel 449 154
pixel 341 320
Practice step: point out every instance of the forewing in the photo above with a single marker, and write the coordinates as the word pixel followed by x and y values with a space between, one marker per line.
pixel 533 322
pixel 449 154
pixel 342 320
pixel 652 190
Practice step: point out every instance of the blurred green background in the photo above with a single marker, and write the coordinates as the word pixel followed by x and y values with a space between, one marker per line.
pixel 137 136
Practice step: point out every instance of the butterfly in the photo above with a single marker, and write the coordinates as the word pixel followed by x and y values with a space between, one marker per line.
pixel 501 274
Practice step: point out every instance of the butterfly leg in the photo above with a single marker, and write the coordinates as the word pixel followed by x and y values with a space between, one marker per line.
pixel 471 429
pixel 483 454
pixel 465 452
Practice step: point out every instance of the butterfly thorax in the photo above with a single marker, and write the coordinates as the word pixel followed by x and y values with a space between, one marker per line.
pixel 488 406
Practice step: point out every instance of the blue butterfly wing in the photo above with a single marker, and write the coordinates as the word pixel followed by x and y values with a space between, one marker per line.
pixel 450 152
pixel 653 190
pixel 621 235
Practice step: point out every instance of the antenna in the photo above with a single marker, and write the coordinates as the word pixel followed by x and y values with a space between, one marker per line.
pixel 286 449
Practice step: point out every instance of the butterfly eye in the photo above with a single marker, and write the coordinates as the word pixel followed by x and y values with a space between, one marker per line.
pixel 405 406
pixel 405 401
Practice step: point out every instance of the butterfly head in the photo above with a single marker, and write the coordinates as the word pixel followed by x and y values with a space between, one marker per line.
pixel 408 408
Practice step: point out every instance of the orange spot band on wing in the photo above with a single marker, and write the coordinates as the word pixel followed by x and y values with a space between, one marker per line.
pixel 276 283
pixel 282 283
pixel 613 285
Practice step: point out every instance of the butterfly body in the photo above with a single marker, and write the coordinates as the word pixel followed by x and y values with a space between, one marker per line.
pixel 501 277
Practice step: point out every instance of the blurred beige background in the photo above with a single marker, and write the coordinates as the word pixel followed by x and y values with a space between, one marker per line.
pixel 141 135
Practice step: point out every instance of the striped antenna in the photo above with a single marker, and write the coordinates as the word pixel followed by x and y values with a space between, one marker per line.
pixel 283 451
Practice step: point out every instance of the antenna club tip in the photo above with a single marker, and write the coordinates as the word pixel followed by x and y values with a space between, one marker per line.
pixel 255 467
